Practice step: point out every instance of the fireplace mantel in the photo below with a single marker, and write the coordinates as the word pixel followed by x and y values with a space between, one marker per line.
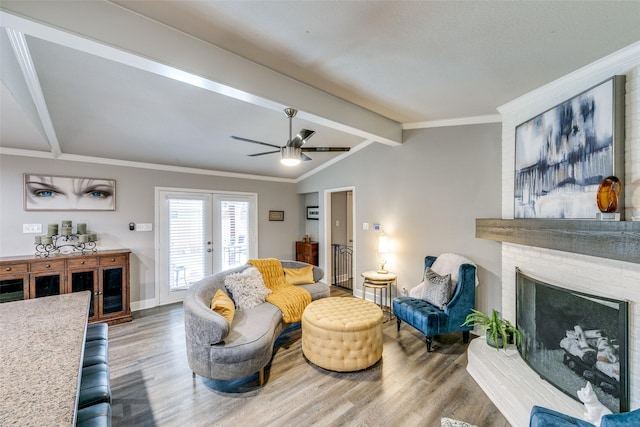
pixel 619 240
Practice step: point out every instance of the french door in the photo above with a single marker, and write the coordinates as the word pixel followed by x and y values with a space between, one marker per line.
pixel 200 233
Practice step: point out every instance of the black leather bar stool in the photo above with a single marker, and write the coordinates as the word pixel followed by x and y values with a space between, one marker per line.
pixel 95 352
pixel 94 386
pixel 97 331
pixel 94 416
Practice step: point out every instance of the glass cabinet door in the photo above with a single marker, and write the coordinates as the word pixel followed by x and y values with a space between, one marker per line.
pixel 85 281
pixel 12 289
pixel 112 290
pixel 46 285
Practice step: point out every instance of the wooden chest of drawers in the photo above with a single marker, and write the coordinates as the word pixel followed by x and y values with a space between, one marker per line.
pixel 307 252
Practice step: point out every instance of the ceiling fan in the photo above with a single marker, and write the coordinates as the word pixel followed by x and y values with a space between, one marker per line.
pixel 292 151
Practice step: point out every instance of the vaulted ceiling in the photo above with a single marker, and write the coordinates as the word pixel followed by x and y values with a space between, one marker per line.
pixel 166 83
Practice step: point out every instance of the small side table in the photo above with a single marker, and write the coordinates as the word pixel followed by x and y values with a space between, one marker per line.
pixel 383 282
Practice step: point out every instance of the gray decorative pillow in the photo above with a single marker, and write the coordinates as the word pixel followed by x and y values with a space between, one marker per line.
pixel 437 289
pixel 247 288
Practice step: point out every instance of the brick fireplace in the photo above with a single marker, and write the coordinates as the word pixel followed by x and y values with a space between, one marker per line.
pixel 585 273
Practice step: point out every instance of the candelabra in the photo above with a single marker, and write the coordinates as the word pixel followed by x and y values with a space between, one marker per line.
pixel 66 242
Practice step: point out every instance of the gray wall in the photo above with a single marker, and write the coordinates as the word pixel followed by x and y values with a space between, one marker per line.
pixel 135 203
pixel 309 226
pixel 426 194
pixel 339 218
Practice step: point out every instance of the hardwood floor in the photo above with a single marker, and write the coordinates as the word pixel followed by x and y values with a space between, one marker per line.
pixel 151 383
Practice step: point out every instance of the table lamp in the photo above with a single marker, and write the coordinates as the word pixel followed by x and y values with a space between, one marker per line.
pixel 383 249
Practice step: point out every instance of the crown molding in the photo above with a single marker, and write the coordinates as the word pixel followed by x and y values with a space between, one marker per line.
pixel 138 165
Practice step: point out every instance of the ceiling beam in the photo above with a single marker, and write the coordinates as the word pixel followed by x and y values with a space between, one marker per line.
pixel 23 57
pixel 132 39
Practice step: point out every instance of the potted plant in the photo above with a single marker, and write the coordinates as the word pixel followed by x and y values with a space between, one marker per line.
pixel 499 331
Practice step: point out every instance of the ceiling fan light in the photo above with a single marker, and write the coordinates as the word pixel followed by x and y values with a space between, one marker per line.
pixel 289 161
pixel 290 156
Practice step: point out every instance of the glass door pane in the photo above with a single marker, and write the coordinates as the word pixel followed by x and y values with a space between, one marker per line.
pixel 47 285
pixel 84 281
pixel 187 253
pixel 11 290
pixel 235 232
pixel 112 290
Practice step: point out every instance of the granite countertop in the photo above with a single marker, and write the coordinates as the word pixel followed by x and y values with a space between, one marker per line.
pixel 41 349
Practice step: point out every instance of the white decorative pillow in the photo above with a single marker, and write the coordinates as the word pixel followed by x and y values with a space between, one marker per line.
pixel 438 289
pixel 247 288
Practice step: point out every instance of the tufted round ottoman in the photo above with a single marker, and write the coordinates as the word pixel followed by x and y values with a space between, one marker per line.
pixel 342 334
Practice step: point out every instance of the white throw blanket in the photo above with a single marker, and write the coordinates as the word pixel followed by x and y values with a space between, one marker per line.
pixel 445 264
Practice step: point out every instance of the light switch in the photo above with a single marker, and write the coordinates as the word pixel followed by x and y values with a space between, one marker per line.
pixel 32 228
pixel 365 225
pixel 144 227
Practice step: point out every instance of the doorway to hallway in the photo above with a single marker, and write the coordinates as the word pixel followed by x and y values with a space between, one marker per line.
pixel 339 227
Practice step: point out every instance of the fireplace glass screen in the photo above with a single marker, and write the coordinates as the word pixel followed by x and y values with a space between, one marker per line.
pixel 570 338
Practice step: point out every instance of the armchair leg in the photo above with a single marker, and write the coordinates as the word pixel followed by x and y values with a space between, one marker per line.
pixel 465 337
pixel 429 341
pixel 398 324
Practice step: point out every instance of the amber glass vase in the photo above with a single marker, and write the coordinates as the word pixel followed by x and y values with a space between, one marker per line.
pixel 608 192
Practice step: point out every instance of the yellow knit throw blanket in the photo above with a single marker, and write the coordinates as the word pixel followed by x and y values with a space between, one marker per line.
pixel 290 299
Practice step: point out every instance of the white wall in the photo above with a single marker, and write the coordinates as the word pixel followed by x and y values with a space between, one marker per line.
pixel 614 279
pixel 426 194
pixel 135 203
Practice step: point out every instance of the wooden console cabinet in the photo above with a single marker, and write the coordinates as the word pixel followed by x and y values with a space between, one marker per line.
pixel 104 273
pixel 307 252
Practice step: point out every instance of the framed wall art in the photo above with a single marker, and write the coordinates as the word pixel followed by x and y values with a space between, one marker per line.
pixel 313 212
pixel 563 154
pixel 65 193
pixel 276 215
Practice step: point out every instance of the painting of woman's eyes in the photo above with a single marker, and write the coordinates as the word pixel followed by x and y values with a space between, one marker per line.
pixel 60 193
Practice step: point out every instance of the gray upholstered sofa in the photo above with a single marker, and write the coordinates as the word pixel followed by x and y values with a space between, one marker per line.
pixel 221 351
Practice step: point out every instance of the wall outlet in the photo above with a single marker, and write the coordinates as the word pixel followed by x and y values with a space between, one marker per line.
pixel 32 228
pixel 144 227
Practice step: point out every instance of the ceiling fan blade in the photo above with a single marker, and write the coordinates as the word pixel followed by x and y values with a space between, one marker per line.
pixel 254 141
pixel 262 154
pixel 325 149
pixel 304 157
pixel 301 138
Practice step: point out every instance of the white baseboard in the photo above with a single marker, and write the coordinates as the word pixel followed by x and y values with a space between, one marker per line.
pixel 141 305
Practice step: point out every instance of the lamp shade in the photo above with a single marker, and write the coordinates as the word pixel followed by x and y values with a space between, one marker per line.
pixel 383 243
pixel 383 249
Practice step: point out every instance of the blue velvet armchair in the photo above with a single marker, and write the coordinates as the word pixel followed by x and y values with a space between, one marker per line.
pixel 431 320
pixel 545 417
